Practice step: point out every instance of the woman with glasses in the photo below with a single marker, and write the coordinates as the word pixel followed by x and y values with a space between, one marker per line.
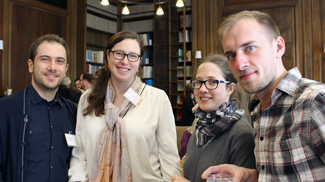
pixel 222 135
pixel 125 129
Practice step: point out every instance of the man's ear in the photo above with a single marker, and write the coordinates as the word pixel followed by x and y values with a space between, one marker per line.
pixel 231 88
pixel 30 65
pixel 280 46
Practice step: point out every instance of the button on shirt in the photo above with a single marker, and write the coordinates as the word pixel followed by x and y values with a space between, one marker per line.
pixel 47 153
pixel 290 133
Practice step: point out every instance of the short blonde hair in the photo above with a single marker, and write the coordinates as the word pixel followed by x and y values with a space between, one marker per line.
pixel 263 19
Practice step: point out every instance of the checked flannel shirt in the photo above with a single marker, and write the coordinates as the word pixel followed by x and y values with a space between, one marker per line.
pixel 290 133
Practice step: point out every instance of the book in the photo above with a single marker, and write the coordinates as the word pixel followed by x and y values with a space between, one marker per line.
pixel 187 39
pixel 179 114
pixel 149 37
pixel 147 71
pixel 148 82
pixel 88 55
pixel 97 56
pixel 188 71
pixel 180 73
pixel 180 54
pixel 145 58
pixel 189 56
pixel 180 87
pixel 145 39
pixel 180 37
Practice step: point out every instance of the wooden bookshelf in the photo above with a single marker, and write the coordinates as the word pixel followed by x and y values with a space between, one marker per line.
pixel 180 55
pixel 97 37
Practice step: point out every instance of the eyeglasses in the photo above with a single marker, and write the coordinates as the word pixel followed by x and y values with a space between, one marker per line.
pixel 209 84
pixel 119 55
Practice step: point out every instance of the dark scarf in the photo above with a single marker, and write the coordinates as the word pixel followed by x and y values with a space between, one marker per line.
pixel 216 122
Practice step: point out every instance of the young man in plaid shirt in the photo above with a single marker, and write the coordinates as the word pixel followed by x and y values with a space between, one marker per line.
pixel 288 111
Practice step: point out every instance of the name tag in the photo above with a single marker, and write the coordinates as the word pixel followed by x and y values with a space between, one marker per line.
pixel 71 140
pixel 133 97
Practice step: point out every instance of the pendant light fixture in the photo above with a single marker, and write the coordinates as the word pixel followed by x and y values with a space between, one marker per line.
pixel 160 11
pixel 125 10
pixel 179 3
pixel 104 2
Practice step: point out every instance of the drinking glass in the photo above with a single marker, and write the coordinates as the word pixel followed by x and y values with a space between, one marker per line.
pixel 220 178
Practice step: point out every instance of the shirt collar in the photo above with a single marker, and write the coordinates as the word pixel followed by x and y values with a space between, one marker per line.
pixel 36 98
pixel 288 84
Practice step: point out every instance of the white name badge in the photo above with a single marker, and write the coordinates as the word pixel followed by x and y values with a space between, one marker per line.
pixel 71 140
pixel 133 97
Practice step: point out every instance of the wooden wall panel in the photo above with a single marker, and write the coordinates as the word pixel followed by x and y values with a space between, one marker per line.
pixel 20 41
pixel 71 25
pixel 1 51
pixel 205 20
pixel 25 21
pixel 317 40
pixel 284 18
pixel 322 6
pixel 80 66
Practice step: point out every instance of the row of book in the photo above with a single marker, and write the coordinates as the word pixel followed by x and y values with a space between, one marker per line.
pixel 94 56
pixel 188 35
pixel 188 55
pixel 180 86
pixel 146 72
pixel 188 70
pixel 146 38
pixel 148 82
pixel 101 24
pixel 92 68
pixel 188 21
pixel 139 26
pixel 145 58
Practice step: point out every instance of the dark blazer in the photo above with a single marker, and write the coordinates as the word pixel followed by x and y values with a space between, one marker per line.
pixel 69 93
pixel 187 115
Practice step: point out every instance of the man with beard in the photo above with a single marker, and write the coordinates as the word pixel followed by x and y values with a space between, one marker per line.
pixel 34 121
pixel 77 85
pixel 288 111
pixel 86 81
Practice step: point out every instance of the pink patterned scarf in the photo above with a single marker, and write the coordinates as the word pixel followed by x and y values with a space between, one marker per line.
pixel 111 157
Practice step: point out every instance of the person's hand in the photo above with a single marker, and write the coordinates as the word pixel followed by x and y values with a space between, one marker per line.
pixel 240 174
pixel 195 107
pixel 179 179
pixel 81 90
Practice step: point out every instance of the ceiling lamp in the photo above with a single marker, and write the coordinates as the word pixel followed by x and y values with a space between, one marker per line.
pixel 104 2
pixel 125 10
pixel 179 3
pixel 160 11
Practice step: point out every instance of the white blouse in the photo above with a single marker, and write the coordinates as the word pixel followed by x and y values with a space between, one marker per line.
pixel 151 135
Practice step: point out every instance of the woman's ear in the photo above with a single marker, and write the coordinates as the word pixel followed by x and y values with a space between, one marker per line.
pixel 231 88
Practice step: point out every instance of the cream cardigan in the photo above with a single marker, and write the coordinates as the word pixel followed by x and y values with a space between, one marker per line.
pixel 151 137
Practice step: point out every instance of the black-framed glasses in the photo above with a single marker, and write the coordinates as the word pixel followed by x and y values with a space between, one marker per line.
pixel 132 57
pixel 209 84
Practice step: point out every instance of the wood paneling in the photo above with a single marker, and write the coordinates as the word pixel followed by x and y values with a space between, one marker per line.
pixel 80 66
pixel 20 41
pixel 25 21
pixel 322 6
pixel 1 51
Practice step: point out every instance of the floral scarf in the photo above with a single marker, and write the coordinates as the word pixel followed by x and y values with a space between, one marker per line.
pixel 216 122
pixel 111 157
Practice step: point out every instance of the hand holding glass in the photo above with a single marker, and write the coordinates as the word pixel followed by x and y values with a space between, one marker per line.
pixel 220 178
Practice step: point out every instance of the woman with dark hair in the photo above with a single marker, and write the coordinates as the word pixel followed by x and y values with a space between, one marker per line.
pixel 222 135
pixel 125 129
